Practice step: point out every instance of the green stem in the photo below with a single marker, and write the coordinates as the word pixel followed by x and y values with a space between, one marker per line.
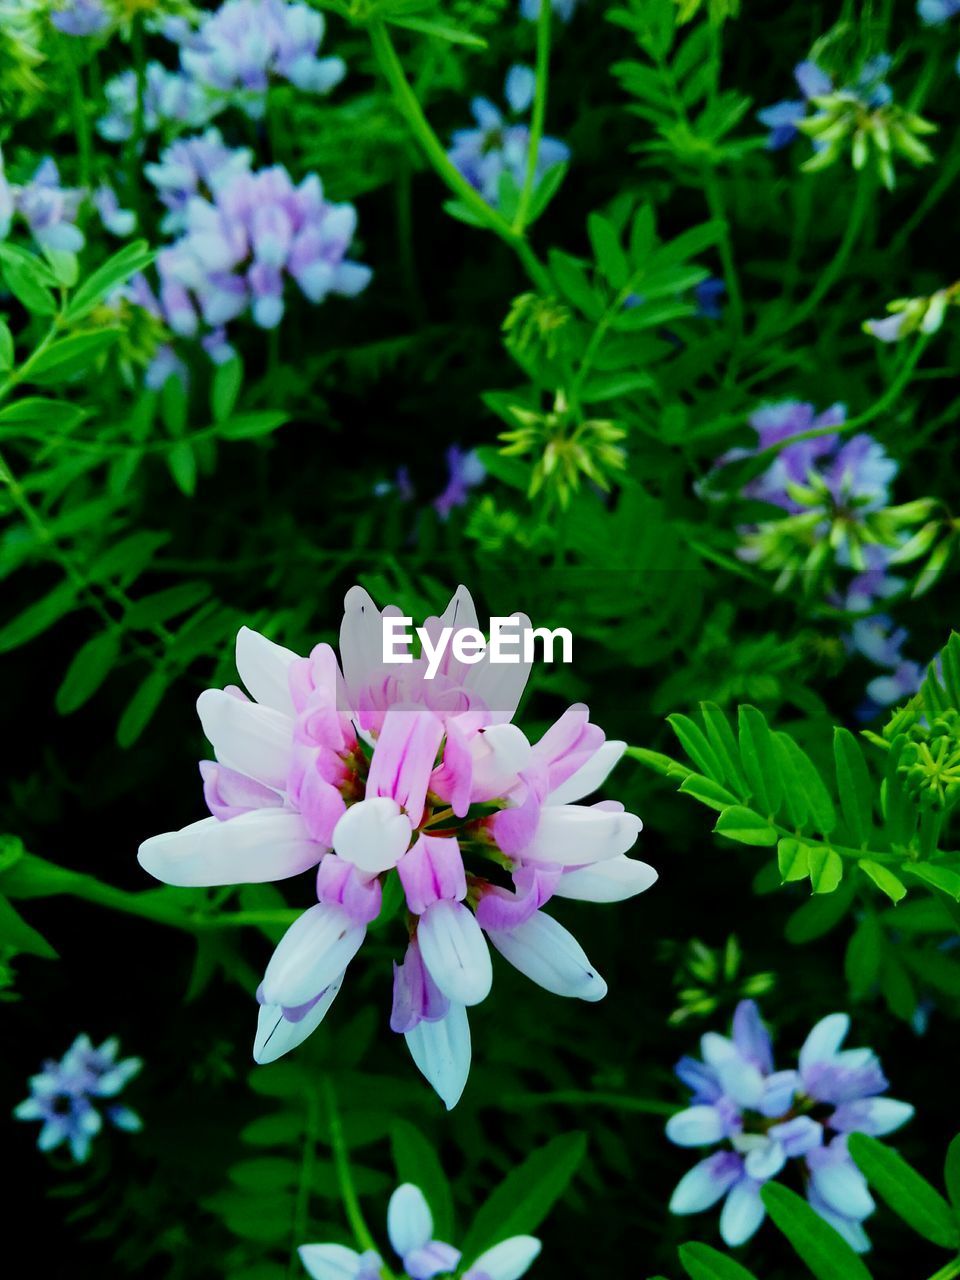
pixel 135 144
pixel 731 278
pixel 16 376
pixel 81 122
pixel 538 118
pixel 348 1192
pixel 948 1272
pixel 301 1213
pixel 409 107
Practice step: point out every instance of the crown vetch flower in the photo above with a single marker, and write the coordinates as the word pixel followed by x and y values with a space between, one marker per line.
pixel 71 1096
pixel 410 1230
pixel 763 1119
pixel 497 150
pixel 81 17
pixel 364 769
pixel 48 209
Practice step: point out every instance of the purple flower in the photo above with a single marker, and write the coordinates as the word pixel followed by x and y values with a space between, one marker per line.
pixel 766 1118
pixel 781 119
pixel 245 43
pixel 64 1094
pixel 343 768
pixel 410 1230
pixel 936 12
pixel 118 221
pixel 465 472
pixel 240 246
pixel 48 209
pixel 81 17
pixel 497 150
pixel 708 295
pixel 197 166
pixel 170 97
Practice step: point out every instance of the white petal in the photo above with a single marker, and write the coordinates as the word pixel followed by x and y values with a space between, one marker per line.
pixel 613 880
pixel 441 1050
pixel 571 835
pixel 551 956
pixel 695 1127
pixel 252 848
pixel 766 1161
pixel 264 668
pixel 501 684
pixel 740 1079
pixel 316 948
pixel 330 1261
pixel 888 1114
pixel 843 1188
pixel 455 952
pixel 701 1187
pixel 373 834
pixel 254 740
pixel 461 612
pixel 499 753
pixel 824 1040
pixel 589 777
pixel 742 1213
pixel 276 1035
pixel 508 1260
pixel 361 641
pixel 409 1220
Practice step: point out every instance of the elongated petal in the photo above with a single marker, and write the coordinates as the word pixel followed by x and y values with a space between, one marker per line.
pixel 455 952
pixel 442 1052
pixel 613 880
pixel 704 1184
pixel 264 668
pixel 254 740
pixel 551 956
pixel 824 1040
pixel 373 835
pixel 313 952
pixel 577 835
pixel 508 1260
pixel 590 776
pixel 876 1116
pixel 849 1228
pixel 252 848
pixel 696 1126
pixel 277 1035
pixel 409 1220
pixel 742 1213
pixel 765 1162
pixel 501 684
pixel 330 1261
pixel 840 1185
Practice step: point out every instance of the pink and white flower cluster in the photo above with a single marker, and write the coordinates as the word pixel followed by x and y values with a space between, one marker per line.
pixel 366 770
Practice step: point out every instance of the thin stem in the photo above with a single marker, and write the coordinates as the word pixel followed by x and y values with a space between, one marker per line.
pixel 16 376
pixel 81 121
pixel 348 1192
pixel 135 144
pixel 301 1212
pixel 948 1272
pixel 409 107
pixel 538 118
pixel 731 277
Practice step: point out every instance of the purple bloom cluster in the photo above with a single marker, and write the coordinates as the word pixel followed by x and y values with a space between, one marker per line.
pixel 64 1096
pixel 766 1118
pixel 464 472
pixel 410 1229
pixel 813 82
pixel 563 9
pixel 169 97
pixel 935 12
pixel 498 149
pixel 48 209
pixel 245 43
pixel 199 166
pixel 81 17
pixel 238 247
pixel 360 769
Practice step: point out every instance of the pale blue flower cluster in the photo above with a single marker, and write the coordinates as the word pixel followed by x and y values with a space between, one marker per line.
pixel 70 1097
pixel 410 1229
pixel 48 209
pixel 230 59
pixel 935 12
pixel 497 150
pixel 81 17
pixel 563 9
pixel 782 118
pixel 767 1121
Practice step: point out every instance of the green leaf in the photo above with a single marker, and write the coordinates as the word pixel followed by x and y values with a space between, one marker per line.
pixel 743 825
pixel 759 758
pixel 416 1161
pixel 951 1173
pixel 703 1263
pixel 28 279
pixel 139 710
pixel 227 381
pixel 724 744
pixel 883 878
pixel 826 869
pixel 38 617
pixel 608 251
pixel 264 1174
pixel 453 35
pixel 20 936
pixel 793 859
pixel 158 607
pixel 91 665
pixel 124 264
pixel 819 914
pixel 815 1242
pixel 182 462
pixel 864 956
pixel 6 347
pixel 247 426
pixel 525 1196
pixel 708 792
pixel 940 877
pixel 853 785
pixel 37 411
pixel 279 1129
pixel 909 1195
pixel 69 356
pixel 695 744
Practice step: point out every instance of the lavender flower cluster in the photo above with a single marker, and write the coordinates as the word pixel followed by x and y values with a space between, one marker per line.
pixel 48 209
pixel 71 1097
pixel 767 1120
